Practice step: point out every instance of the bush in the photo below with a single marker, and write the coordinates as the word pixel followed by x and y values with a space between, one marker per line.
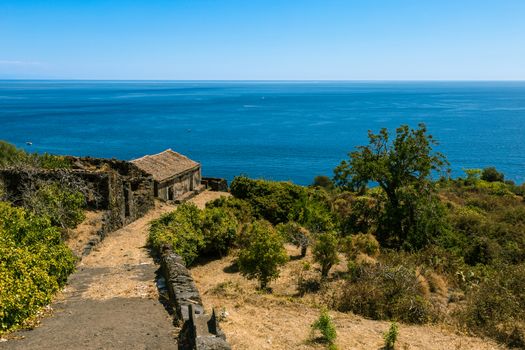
pixel 62 205
pixel 34 264
pixel 181 230
pixel 219 227
pixel 272 201
pixel 11 156
pixel 326 327
pixel 325 251
pixel 496 307
pixel 261 253
pixel 240 208
pixel 323 182
pixel 361 244
pixel 385 292
pixel 490 174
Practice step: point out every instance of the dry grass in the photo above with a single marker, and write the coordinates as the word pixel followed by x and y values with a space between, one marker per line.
pixel 281 320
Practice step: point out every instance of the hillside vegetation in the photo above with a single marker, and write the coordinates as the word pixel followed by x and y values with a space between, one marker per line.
pixel 418 247
pixel 34 261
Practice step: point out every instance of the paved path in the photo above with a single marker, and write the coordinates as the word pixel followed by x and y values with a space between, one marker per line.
pixel 111 301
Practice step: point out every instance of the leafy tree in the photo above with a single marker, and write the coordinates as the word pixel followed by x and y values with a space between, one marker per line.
pixel 262 253
pixel 325 251
pixel 490 174
pixel 402 168
pixel 315 215
pixel 295 234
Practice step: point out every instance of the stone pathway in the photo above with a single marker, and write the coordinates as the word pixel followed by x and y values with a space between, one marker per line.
pixel 111 301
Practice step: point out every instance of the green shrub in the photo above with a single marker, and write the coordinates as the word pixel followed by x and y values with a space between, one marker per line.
pixel 261 253
pixel 390 336
pixel 325 251
pixel 313 214
pixel 12 156
pixel 34 264
pixel 240 208
pixel 270 200
pixel 219 227
pixel 323 182
pixel 181 230
pixel 490 174
pixel 326 327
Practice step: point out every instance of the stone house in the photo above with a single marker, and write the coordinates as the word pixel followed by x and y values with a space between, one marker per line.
pixel 175 176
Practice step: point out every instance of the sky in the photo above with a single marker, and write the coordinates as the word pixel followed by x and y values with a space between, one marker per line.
pixel 263 40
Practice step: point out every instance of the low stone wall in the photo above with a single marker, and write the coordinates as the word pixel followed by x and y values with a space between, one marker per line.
pixel 200 331
pixel 215 184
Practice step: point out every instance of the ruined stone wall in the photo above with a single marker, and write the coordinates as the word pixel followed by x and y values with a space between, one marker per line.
pixel 200 331
pixel 97 187
pixel 215 184
pixel 119 187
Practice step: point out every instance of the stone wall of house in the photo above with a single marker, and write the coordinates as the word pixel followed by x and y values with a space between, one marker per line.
pixel 200 331
pixel 179 186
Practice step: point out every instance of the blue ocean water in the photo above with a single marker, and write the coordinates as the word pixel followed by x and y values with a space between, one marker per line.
pixel 276 130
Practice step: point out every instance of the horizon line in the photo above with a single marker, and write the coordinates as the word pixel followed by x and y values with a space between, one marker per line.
pixel 267 80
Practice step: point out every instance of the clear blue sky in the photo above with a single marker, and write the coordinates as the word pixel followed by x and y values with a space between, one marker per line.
pixel 271 39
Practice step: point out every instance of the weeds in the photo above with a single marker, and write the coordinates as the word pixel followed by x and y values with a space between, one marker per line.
pixel 390 336
pixel 326 327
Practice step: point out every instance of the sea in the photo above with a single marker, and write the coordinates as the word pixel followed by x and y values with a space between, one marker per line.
pixel 279 130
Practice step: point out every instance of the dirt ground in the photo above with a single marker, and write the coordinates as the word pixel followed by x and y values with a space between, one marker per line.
pixel 84 232
pixel 111 301
pixel 281 320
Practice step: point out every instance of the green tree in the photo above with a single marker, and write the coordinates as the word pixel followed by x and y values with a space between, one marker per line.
pixel 262 253
pixel 325 251
pixel 296 234
pixel 402 168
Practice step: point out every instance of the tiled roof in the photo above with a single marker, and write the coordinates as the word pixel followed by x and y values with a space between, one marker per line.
pixel 165 164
